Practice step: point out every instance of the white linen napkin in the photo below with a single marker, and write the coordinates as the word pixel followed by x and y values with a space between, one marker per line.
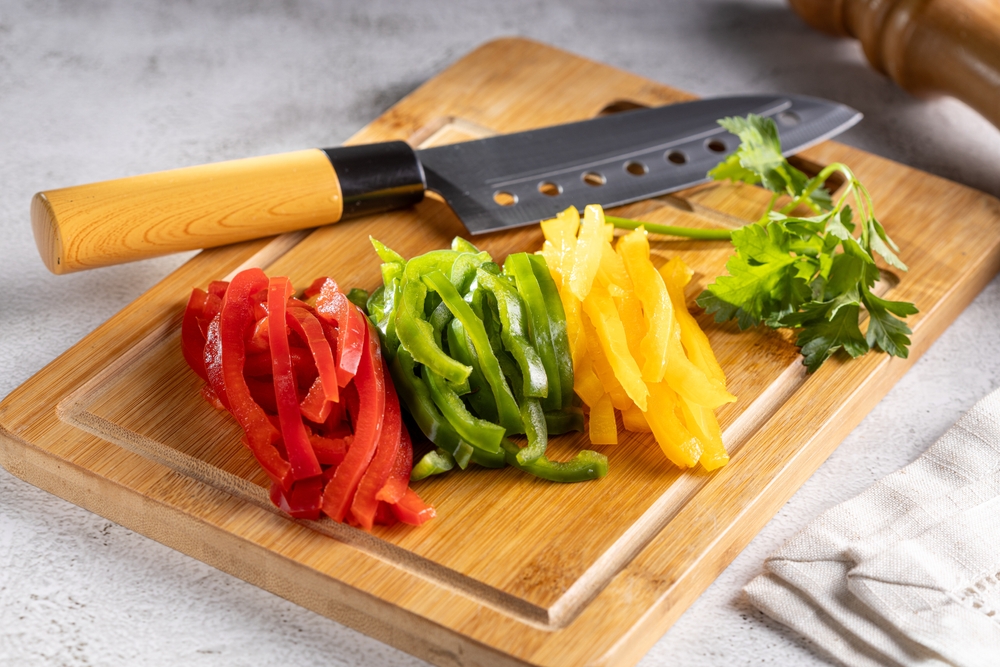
pixel 908 572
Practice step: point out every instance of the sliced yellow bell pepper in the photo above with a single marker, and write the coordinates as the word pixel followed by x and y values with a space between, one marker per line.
pixel 587 256
pixel 656 304
pixel 634 420
pixel 690 381
pixel 603 429
pixel 586 384
pixel 602 367
pixel 702 423
pixel 677 442
pixel 676 275
pixel 611 334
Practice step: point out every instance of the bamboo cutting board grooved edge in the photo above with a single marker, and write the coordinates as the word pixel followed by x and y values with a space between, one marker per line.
pixel 540 574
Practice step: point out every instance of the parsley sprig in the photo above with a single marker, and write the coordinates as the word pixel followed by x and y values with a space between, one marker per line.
pixel 813 273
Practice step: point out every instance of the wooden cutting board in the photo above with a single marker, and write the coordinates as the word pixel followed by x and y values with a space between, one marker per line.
pixel 514 570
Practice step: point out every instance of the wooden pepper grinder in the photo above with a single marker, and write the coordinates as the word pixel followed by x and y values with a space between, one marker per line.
pixel 929 47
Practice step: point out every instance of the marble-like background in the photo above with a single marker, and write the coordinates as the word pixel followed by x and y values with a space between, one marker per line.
pixel 92 90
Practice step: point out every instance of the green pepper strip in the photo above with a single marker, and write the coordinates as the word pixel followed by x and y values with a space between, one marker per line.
pixel 433 462
pixel 533 418
pixel 584 466
pixel 463 271
pixel 477 432
pixel 513 332
pixel 562 421
pixel 420 404
pixel 481 397
pixel 386 254
pixel 458 244
pixel 507 410
pixel 518 266
pixel 440 260
pixel 557 326
pixel 416 335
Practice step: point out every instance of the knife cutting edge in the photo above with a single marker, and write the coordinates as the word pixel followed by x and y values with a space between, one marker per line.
pixel 491 184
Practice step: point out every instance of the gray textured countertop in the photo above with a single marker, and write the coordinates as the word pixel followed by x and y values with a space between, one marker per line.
pixel 95 90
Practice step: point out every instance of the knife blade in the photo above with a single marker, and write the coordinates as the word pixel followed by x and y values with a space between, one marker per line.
pixel 491 184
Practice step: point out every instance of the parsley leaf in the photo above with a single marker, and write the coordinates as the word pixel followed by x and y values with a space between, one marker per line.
pixel 808 273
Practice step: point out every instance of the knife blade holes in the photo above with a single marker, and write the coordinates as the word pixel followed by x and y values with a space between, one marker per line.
pixel 504 198
pixel 789 118
pixel 676 157
pixel 593 178
pixel 550 189
pixel 636 168
pixel 716 145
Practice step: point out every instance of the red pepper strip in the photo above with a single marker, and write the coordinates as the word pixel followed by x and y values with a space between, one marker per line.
pixel 305 324
pixel 382 464
pixel 302 501
pixel 258 342
pixel 399 477
pixel 330 451
pixel 262 393
pixel 258 364
pixel 332 305
pixel 314 406
pixel 218 288
pixel 293 431
pixel 224 357
pixel 209 395
pixel 336 426
pixel 370 385
pixel 412 510
pixel 384 515
pixel 192 337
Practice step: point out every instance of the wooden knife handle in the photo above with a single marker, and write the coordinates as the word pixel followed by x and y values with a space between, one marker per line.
pixel 929 47
pixel 117 221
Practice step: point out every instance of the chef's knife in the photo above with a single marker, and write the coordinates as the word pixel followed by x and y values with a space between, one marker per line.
pixel 491 184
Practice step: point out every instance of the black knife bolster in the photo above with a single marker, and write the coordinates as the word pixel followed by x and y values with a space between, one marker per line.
pixel 377 177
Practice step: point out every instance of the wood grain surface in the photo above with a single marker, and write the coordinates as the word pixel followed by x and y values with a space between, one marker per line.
pixel 514 570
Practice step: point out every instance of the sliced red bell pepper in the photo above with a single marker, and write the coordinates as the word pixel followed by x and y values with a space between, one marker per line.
pixel 302 501
pixel 192 336
pixel 370 384
pixel 412 510
pixel 365 502
pixel 330 451
pixel 300 453
pixel 384 515
pixel 333 305
pixel 224 357
pixel 399 477
pixel 314 406
pixel 311 331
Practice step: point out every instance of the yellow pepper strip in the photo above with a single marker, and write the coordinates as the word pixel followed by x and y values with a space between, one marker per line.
pixel 702 423
pixel 611 273
pixel 690 381
pixel 602 367
pixel 676 275
pixel 679 445
pixel 603 429
pixel 634 420
pixel 656 304
pixel 586 383
pixel 574 324
pixel 560 236
pixel 611 334
pixel 630 310
pixel 587 256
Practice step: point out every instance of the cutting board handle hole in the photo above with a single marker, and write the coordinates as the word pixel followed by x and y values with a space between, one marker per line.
pixel 620 105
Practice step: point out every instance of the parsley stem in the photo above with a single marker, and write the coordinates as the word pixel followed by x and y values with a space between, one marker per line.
pixel 671 230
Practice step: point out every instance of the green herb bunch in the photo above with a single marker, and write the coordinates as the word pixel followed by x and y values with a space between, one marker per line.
pixel 812 274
